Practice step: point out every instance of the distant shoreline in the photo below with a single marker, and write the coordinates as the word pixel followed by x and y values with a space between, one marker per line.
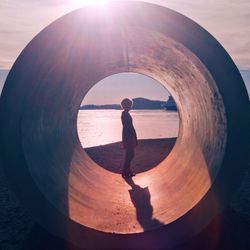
pixel 131 109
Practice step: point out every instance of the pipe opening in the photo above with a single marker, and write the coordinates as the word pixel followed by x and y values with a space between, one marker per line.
pixel 155 119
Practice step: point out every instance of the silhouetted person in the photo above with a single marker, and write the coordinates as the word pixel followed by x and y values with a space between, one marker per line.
pixel 129 138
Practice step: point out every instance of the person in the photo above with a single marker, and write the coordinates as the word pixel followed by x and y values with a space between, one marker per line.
pixel 129 138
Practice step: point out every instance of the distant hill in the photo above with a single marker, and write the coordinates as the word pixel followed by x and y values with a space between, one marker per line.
pixel 143 103
pixel 106 106
pixel 138 103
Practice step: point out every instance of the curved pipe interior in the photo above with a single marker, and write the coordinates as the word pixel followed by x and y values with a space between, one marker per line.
pixel 95 197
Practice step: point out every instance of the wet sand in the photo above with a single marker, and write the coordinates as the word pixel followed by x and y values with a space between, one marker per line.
pixel 229 230
pixel 111 156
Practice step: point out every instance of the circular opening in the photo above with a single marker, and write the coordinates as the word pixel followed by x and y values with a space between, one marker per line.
pixel 154 114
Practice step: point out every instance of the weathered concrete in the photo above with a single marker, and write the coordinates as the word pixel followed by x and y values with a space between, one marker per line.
pixel 65 190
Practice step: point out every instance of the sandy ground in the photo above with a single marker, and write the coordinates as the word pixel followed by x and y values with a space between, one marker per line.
pixel 15 222
pixel 229 230
pixel 111 156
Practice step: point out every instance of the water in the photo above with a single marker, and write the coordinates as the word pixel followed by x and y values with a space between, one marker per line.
pixel 99 127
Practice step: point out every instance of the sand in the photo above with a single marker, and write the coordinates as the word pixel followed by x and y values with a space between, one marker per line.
pixel 111 156
pixel 15 222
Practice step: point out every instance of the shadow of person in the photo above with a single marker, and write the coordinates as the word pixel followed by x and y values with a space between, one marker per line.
pixel 140 198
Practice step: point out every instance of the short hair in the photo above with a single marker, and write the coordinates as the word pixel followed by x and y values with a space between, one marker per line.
pixel 126 103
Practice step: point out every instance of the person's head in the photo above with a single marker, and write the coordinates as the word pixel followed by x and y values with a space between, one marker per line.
pixel 126 103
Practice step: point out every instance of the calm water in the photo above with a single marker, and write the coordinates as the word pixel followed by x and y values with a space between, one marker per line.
pixel 99 127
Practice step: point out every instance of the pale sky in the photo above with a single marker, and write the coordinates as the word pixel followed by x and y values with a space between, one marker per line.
pixel 114 88
pixel 227 20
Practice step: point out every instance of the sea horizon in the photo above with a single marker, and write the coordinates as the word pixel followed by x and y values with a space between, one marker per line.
pixel 101 127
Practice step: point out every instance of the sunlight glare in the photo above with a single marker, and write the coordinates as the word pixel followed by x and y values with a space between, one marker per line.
pixel 81 3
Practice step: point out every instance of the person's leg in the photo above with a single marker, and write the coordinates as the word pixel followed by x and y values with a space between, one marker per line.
pixel 126 165
pixel 129 155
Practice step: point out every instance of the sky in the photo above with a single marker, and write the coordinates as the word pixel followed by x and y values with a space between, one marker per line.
pixel 125 85
pixel 227 20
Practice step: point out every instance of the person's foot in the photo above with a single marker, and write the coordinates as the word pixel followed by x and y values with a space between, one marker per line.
pixel 128 175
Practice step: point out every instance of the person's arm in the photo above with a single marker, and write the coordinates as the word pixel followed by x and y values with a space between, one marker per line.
pixel 123 119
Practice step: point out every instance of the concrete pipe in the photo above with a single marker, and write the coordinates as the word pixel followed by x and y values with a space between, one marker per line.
pixel 69 194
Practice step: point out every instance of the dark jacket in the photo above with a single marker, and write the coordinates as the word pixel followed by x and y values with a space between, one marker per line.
pixel 129 138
